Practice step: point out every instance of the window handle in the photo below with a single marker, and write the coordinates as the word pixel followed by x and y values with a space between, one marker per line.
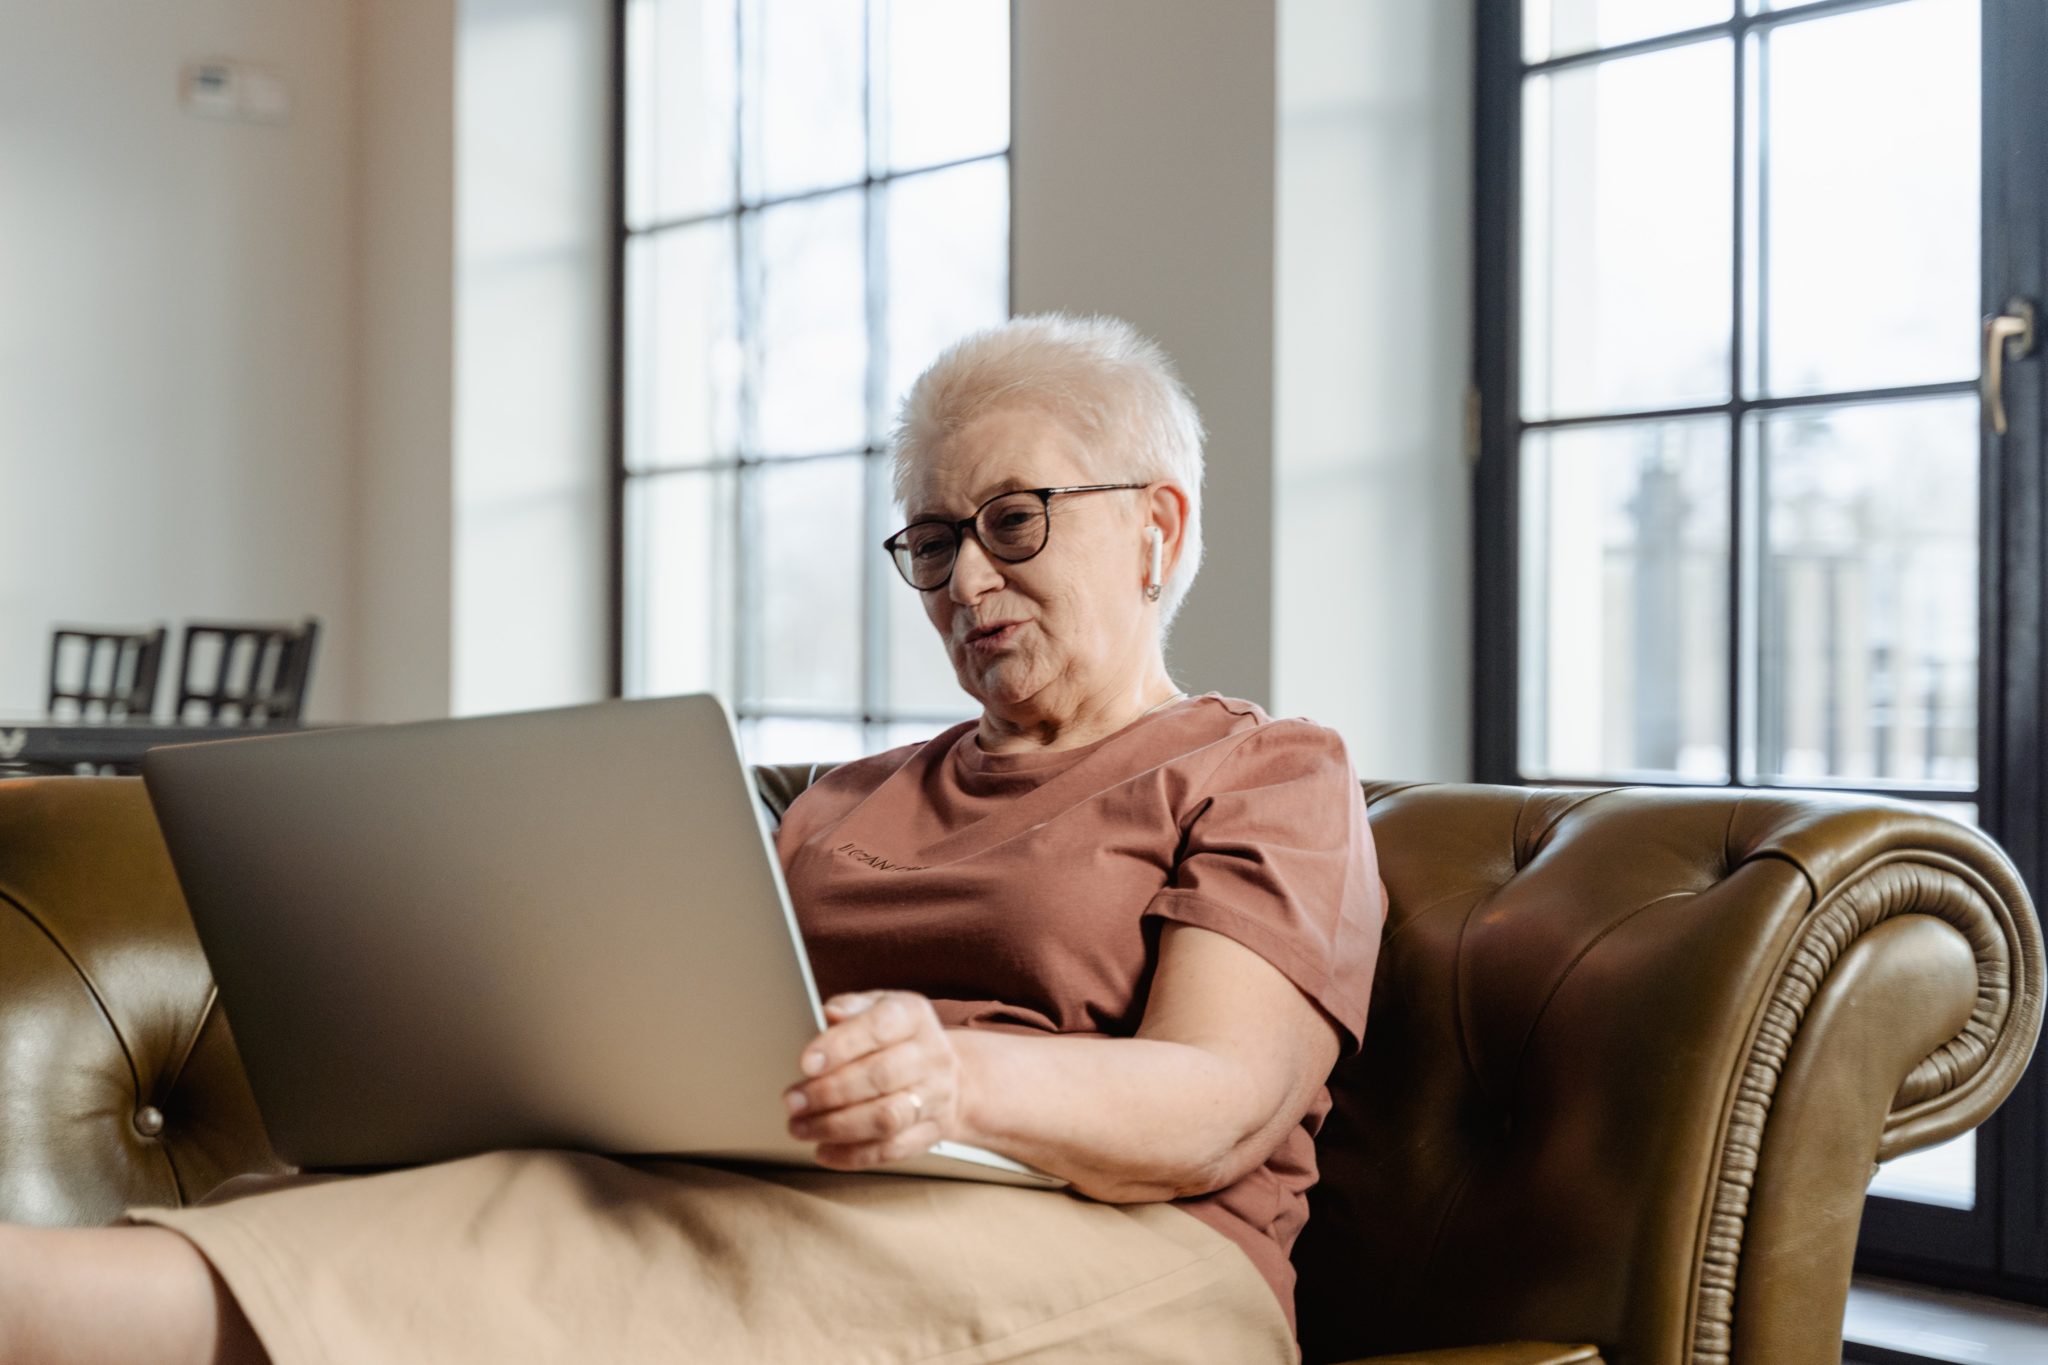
pixel 2010 335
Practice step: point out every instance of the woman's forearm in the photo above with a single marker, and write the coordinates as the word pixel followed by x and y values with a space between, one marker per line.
pixel 1229 1057
pixel 1125 1120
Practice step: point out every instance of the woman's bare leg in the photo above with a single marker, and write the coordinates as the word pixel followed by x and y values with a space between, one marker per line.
pixel 93 1296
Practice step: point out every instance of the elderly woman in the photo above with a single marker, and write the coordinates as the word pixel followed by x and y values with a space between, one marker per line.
pixel 1113 931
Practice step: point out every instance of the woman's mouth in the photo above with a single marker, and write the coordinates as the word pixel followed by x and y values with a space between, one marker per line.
pixel 994 636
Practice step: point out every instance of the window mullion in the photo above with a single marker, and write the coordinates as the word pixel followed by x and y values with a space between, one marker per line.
pixel 873 645
pixel 1738 572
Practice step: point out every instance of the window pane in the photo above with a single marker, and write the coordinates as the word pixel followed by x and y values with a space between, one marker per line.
pixel 679 584
pixel 1624 621
pixel 803 584
pixel 1945 1174
pixel 1867 634
pixel 948 80
pixel 778 739
pixel 949 258
pixel 806 73
pixel 681 108
pixel 682 346
pixel 808 279
pixel 1556 28
pixel 1870 198
pixel 1627 238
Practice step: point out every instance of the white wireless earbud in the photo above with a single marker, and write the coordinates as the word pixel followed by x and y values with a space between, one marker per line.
pixel 1152 580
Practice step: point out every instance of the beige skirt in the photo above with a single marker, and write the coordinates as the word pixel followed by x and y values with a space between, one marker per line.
pixel 550 1256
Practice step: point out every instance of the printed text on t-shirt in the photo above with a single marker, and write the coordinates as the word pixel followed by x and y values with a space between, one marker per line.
pixel 877 861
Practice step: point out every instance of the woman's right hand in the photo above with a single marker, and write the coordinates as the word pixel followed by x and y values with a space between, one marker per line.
pixel 883 1081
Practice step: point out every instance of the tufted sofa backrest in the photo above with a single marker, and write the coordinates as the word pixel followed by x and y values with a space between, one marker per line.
pixel 119 1081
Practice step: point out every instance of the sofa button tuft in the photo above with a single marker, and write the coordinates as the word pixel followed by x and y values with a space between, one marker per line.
pixel 149 1120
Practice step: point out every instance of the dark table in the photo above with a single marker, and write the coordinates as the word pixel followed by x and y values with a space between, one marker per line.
pixel 43 745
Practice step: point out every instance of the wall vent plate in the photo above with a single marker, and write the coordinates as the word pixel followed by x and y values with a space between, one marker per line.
pixel 235 91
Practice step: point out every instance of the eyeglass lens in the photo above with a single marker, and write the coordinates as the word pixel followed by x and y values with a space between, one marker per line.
pixel 1011 527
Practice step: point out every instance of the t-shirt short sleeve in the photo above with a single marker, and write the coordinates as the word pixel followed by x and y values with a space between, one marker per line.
pixel 1277 856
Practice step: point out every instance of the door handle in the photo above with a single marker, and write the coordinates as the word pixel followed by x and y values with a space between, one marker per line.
pixel 2010 335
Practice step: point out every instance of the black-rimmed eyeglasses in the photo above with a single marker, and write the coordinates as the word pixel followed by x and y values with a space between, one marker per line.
pixel 1011 526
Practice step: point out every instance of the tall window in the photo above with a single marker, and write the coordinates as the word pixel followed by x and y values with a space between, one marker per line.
pixel 1745 405
pixel 816 202
pixel 1743 518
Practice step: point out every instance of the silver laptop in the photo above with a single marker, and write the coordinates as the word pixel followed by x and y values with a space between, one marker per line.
pixel 555 929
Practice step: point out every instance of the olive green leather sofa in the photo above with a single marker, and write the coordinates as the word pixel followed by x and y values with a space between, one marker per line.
pixel 1631 1059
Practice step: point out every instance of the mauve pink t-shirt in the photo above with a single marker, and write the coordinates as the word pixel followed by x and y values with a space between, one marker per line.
pixel 1025 891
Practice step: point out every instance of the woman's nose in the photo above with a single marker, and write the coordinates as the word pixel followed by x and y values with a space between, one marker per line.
pixel 974 572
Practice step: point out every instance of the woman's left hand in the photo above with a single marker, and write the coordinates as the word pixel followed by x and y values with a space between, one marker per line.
pixel 884 1081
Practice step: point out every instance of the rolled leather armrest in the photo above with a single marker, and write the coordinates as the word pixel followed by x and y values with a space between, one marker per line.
pixel 1632 1054
pixel 1506 1353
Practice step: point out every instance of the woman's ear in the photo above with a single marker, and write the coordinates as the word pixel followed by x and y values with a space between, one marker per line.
pixel 1166 509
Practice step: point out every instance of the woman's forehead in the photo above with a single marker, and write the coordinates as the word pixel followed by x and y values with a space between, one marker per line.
pixel 998 451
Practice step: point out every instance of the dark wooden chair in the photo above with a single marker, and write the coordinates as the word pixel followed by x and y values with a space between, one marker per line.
pixel 245 673
pixel 104 674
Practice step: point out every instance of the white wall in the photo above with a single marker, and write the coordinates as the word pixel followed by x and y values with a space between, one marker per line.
pixel 1372 488
pixel 176 329
pixel 405 203
pixel 1279 192
pixel 532 466
pixel 486 216
pixel 1143 151
pixel 228 353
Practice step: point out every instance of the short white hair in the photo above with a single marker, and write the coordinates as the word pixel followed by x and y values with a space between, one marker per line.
pixel 1114 387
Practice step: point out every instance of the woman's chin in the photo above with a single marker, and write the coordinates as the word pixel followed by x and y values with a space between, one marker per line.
pixel 998 682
